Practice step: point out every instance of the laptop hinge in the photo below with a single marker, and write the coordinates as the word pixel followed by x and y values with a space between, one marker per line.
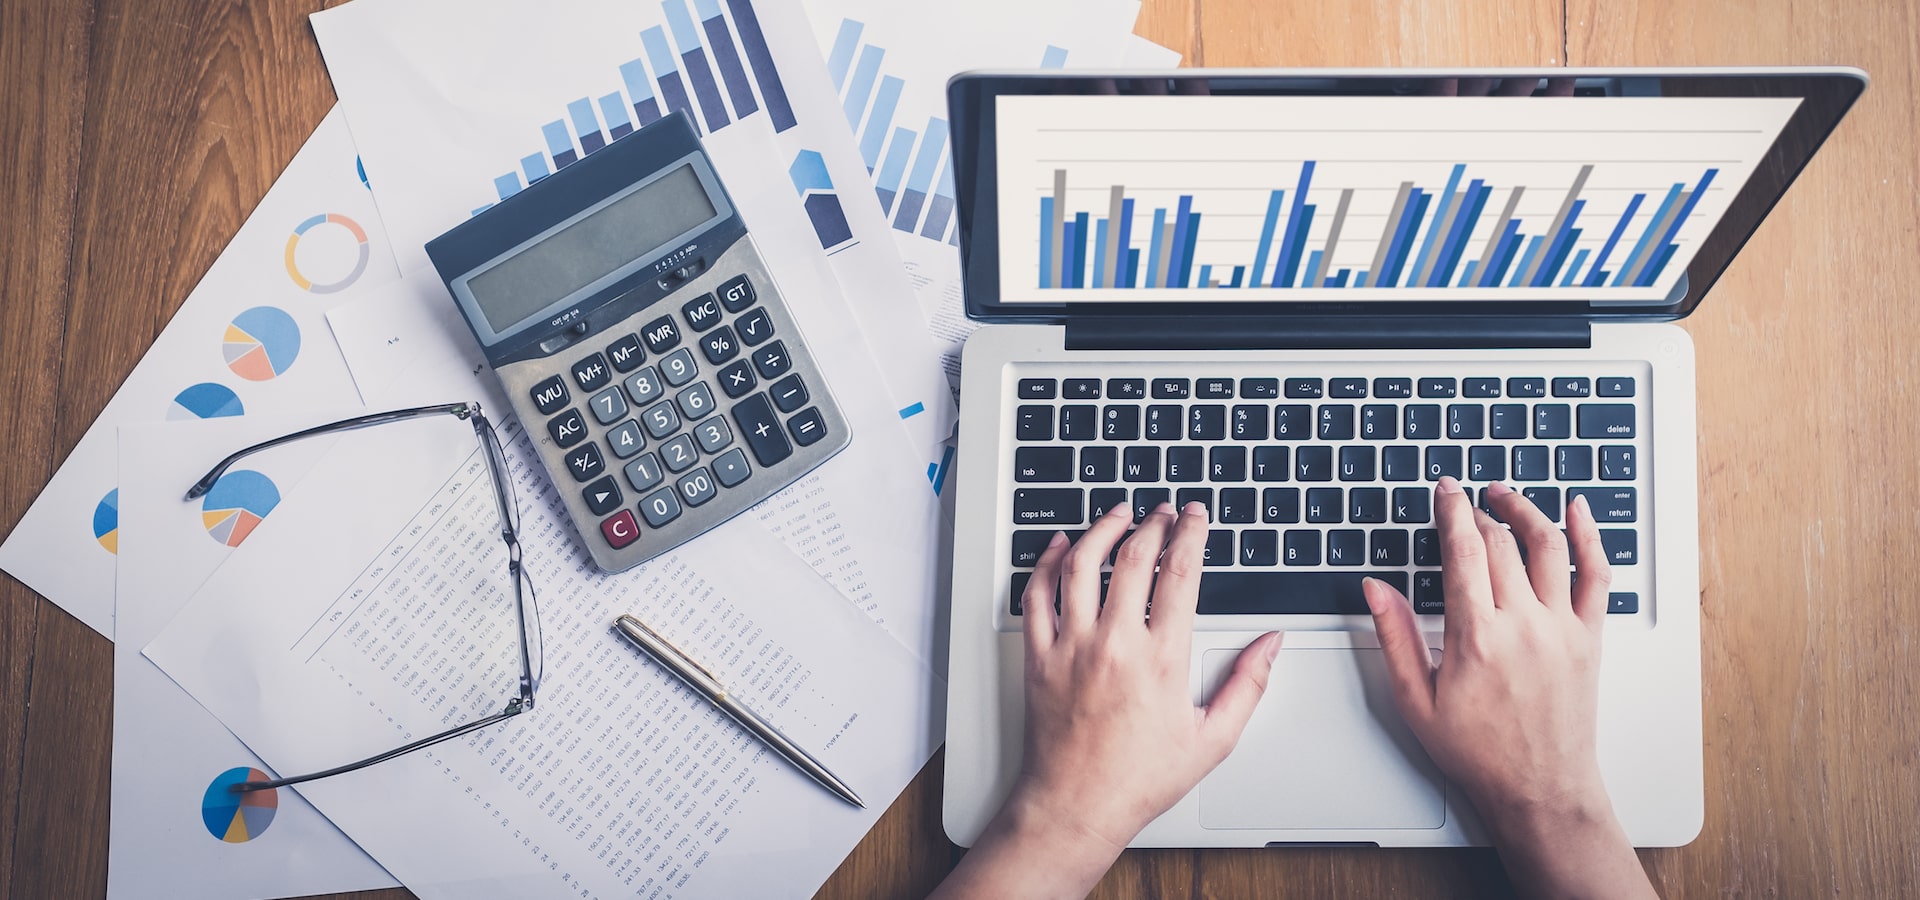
pixel 1324 333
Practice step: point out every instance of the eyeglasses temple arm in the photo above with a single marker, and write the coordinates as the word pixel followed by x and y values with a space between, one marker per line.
pixel 514 708
pixel 461 410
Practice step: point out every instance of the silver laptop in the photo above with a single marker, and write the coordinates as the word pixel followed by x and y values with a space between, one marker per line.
pixel 1301 297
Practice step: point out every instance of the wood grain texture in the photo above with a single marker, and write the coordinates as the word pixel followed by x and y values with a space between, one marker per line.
pixel 137 135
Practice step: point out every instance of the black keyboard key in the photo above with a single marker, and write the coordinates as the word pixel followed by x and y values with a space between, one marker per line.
pixel 603 496
pixel 1292 422
pixel 1552 422
pixel 1443 461
pixel 1036 389
pixel 567 429
pixel 1367 505
pixel 1238 506
pixel 789 393
pixel 1486 463
pixel 1623 603
pixel 737 379
pixel 1185 463
pixel 1305 388
pixel 1280 505
pixel 1530 463
pixel 1260 388
pixel 1437 387
pixel 1573 463
pixel 1219 548
pixel 1042 464
pixel 1606 420
pixel 1227 464
pixel 1164 424
pixel 736 293
pixel 1325 505
pixel 1170 388
pixel 1313 463
pixel 1617 463
pixel 1400 463
pixel 702 312
pixel 1429 594
pixel 1546 499
pixel 1393 388
pixel 1335 422
pixel 1356 463
pixel 1206 422
pixel 1202 496
pixel 586 463
pixel 1033 423
pixel 1426 547
pixel 1248 423
pixel 1080 389
pixel 1027 547
pixel 1270 464
pixel 1387 547
pixel 1480 387
pixel 1259 547
pixel 592 373
pixel 1614 387
pixel 1300 548
pixel 1622 546
pixel 1347 388
pixel 550 395
pixel 1099 463
pixel 762 430
pixel 1507 422
pixel 1572 387
pixel 1049 506
pixel 1412 505
pixel 1213 389
pixel 1379 422
pixel 1609 504
pixel 1140 464
pixel 1280 592
pixel 625 353
pixel 1466 421
pixel 772 360
pixel 754 327
pixel 1526 387
pixel 1120 423
pixel 1346 547
pixel 1079 422
pixel 1127 388
pixel 1099 500
pixel 1423 422
pixel 720 346
pixel 1146 500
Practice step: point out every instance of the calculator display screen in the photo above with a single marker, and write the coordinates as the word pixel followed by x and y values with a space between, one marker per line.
pixel 631 227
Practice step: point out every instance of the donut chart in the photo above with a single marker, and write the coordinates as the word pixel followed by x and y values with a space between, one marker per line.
pixel 205 400
pixel 237 504
pixel 359 235
pixel 238 818
pixel 106 521
pixel 261 343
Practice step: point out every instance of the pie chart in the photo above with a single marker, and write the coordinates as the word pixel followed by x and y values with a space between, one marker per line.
pixel 237 504
pixel 205 400
pixel 106 521
pixel 333 246
pixel 262 343
pixel 238 818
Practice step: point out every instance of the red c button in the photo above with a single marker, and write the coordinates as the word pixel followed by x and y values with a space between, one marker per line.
pixel 620 530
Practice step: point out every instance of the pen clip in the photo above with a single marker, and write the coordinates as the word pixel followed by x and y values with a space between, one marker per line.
pixel 670 645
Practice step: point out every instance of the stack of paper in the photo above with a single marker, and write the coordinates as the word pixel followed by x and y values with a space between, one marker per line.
pixel 827 125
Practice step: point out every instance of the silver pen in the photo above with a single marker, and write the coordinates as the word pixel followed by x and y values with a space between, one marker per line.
pixel 704 683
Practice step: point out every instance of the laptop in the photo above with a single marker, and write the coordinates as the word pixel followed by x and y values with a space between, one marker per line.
pixel 1300 298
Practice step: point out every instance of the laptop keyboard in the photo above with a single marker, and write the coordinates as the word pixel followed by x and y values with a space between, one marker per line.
pixel 1314 482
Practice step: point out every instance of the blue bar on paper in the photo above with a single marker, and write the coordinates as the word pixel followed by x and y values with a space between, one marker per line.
pixel 614 110
pixel 942 206
pixel 1466 277
pixel 1526 259
pixel 1154 277
pixel 1046 242
pixel 640 88
pixel 1397 254
pixel 1439 221
pixel 1125 244
pixel 861 88
pixel 809 173
pixel 694 54
pixel 779 110
pixel 1502 254
pixel 534 166
pixel 1133 268
pixel 1679 219
pixel 880 120
pixel 1561 246
pixel 1274 200
pixel 1313 262
pixel 1340 280
pixel 1579 259
pixel 727 57
pixel 1053 58
pixel 894 167
pixel 1206 274
pixel 507 185
pixel 1289 248
pixel 840 59
pixel 1472 201
pixel 1239 272
pixel 480 209
pixel 1593 278
pixel 559 144
pixel 1080 250
pixel 1646 237
pixel 1659 262
pixel 1100 252
pixel 1186 258
pixel 1177 268
pixel 585 125
pixel 672 91
pixel 933 147
pixel 1299 245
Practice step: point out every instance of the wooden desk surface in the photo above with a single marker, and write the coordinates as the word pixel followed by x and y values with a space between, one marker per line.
pixel 136 135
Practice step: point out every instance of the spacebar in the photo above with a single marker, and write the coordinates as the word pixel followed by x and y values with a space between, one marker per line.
pixel 1288 593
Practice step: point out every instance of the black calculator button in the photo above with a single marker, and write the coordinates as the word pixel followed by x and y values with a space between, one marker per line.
pixel 661 420
pixel 661 334
pixel 678 454
pixel 567 428
pixel 754 327
pixel 720 346
pixel 773 362
pixel 713 434
pixel 644 386
pixel 696 487
pixel 660 507
pixel 644 472
pixel 696 402
pixel 737 379
pixel 808 427
pixel 586 463
pixel 608 406
pixel 731 468
pixel 626 439
pixel 592 373
pixel 761 430
pixel 678 367
pixel 602 496
pixel 620 530
pixel 550 395
pixel 789 393
pixel 702 312
pixel 626 353
pixel 736 293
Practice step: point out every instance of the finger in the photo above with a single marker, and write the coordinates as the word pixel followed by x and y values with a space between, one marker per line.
pixel 1546 546
pixel 1133 569
pixel 1233 704
pixel 1177 590
pixel 1409 665
pixel 1080 578
pixel 1036 605
pixel 1463 559
pixel 1505 571
pixel 1592 573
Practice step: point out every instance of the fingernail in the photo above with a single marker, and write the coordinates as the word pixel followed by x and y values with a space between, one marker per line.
pixel 1273 646
pixel 1194 508
pixel 1449 484
pixel 1059 538
pixel 1118 508
pixel 1499 488
pixel 1367 589
pixel 1580 503
pixel 1165 508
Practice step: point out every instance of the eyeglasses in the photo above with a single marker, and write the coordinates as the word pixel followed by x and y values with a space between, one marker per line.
pixel 526 605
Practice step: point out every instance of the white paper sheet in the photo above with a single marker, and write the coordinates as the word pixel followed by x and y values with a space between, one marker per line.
pixel 314 241
pixel 171 830
pixel 619 782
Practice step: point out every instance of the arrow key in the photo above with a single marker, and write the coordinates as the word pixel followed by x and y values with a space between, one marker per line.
pixel 603 496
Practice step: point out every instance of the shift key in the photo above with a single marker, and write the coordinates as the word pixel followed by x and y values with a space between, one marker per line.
pixel 1049 506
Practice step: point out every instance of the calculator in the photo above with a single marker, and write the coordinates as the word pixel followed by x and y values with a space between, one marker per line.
pixel 625 309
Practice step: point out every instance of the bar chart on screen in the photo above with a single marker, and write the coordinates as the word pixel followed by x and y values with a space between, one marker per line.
pixel 1369 198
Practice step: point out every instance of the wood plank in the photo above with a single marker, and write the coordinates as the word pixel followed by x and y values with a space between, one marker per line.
pixel 1380 33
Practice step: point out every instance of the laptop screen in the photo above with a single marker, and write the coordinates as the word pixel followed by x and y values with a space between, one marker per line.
pixel 1579 193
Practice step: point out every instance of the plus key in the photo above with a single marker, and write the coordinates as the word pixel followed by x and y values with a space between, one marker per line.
pixel 762 430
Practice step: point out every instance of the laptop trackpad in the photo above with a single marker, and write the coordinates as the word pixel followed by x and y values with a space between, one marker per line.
pixel 1326 749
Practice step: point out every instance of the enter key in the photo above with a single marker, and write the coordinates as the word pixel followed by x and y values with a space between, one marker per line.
pixel 1609 504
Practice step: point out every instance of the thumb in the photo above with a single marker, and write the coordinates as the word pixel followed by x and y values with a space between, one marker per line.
pixel 1409 665
pixel 1234 702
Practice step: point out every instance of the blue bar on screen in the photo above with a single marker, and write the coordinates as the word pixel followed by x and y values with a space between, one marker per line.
pixel 1526 259
pixel 1579 259
pixel 1299 245
pixel 841 57
pixel 585 125
pixel 1289 249
pixel 727 57
pixel 779 110
pixel 1646 237
pixel 861 87
pixel 614 110
pixel 1239 272
pixel 1080 249
pixel 507 185
pixel 880 120
pixel 1359 280
pixel 1679 219
pixel 1502 254
pixel 1466 278
pixel 1046 242
pixel 1593 278
pixel 1206 271
pixel 1153 248
pixel 1176 260
pixel 1100 252
pixel 1472 201
pixel 1186 257
pixel 1339 280
pixel 1053 58
pixel 1125 243
pixel 1659 262
pixel 1561 246
pixel 534 167
pixel 1439 222
pixel 1133 268
pixel 1410 219
pixel 1266 236
pixel 1313 263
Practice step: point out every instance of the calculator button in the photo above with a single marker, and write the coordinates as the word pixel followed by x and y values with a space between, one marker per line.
pixel 661 420
pixel 567 428
pixel 737 379
pixel 678 454
pixel 661 334
pixel 626 353
pixel 644 472
pixel 660 507
pixel 696 487
pixel 626 439
pixel 620 530
pixel 772 360
pixel 550 395
pixel 608 406
pixel 808 427
pixel 720 346
pixel 754 327
pixel 736 293
pixel 695 402
pixel 592 373
pixel 789 393
pixel 586 462
pixel 762 431
pixel 731 468
pixel 702 312
pixel 644 386
pixel 602 496
pixel 713 434
pixel 678 368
